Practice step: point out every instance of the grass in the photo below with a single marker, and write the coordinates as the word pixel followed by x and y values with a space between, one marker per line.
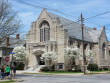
pixel 61 72
pixel 69 72
pixel 55 72
pixel 11 81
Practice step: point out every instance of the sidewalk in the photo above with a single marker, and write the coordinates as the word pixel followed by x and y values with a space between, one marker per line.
pixel 14 79
pixel 19 71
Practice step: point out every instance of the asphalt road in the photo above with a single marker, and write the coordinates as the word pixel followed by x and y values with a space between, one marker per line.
pixel 34 78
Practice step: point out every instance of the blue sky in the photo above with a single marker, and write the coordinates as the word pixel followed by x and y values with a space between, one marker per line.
pixel 73 8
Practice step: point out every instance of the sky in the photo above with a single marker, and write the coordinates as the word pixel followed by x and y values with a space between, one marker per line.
pixel 71 9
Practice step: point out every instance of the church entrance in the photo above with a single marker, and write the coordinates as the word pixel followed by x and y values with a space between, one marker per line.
pixel 40 62
pixel 38 55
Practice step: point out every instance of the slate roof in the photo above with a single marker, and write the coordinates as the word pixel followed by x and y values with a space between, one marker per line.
pixel 13 42
pixel 74 29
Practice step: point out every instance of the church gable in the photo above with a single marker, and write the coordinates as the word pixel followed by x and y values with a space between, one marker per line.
pixel 43 16
pixel 103 36
pixel 103 47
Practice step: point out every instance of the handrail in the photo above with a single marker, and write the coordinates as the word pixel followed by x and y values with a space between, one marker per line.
pixel 35 66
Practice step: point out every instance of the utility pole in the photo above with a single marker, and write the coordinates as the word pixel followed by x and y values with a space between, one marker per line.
pixel 12 64
pixel 84 59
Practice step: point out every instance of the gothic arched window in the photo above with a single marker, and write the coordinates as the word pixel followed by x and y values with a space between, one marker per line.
pixel 103 50
pixel 78 45
pixel 91 47
pixel 51 47
pixel 85 46
pixel 44 31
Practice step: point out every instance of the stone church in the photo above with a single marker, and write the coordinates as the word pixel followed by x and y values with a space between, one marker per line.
pixel 53 33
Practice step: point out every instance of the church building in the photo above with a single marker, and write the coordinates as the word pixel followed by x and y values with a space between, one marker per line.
pixel 53 33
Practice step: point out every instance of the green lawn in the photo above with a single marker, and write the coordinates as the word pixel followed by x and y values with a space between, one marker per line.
pixel 12 81
pixel 54 72
pixel 61 72
pixel 69 72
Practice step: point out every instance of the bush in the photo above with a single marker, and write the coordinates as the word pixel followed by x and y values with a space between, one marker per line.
pixel 53 68
pixel 20 66
pixel 44 69
pixel 105 68
pixel 92 67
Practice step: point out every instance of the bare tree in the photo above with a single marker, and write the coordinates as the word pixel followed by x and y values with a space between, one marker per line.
pixel 9 24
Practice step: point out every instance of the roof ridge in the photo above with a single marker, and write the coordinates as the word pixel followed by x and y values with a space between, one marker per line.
pixel 62 17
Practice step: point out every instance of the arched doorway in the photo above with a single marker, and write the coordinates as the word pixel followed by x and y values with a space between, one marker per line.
pixel 39 61
pixel 38 54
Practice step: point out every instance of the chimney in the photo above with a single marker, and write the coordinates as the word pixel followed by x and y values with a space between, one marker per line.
pixel 7 41
pixel 104 27
pixel 17 36
pixel 94 28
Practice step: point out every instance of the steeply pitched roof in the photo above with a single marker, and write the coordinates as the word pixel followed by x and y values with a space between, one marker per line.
pixel 13 42
pixel 74 29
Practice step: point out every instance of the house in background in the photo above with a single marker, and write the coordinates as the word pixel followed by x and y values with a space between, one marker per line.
pixel 53 33
pixel 7 47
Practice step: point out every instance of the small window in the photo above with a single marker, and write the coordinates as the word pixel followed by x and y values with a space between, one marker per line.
pixel 47 48
pixel 29 49
pixel 60 66
pixel 78 45
pixel 71 42
pixel 4 52
pixel 109 52
pixel 85 46
pixel 55 47
pixel 51 47
pixel 90 47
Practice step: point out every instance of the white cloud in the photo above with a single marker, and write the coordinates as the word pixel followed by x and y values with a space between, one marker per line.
pixel 72 7
pixel 27 18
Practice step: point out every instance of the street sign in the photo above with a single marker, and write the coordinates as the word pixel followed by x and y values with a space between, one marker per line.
pixel 12 53
pixel 7 58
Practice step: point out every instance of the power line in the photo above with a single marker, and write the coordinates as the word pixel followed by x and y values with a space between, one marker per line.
pixel 52 10
pixel 95 23
pixel 107 25
pixel 41 7
pixel 56 10
pixel 98 15
pixel 36 6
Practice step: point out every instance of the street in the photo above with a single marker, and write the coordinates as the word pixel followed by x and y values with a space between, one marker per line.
pixel 35 78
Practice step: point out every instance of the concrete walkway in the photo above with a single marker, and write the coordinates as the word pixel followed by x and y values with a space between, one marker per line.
pixel 44 73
